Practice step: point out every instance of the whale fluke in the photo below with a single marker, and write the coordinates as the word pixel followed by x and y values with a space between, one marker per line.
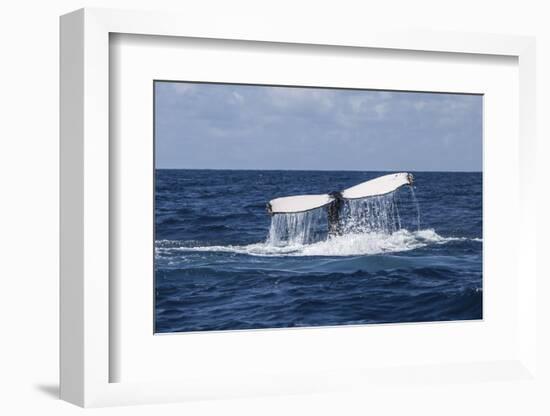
pixel 374 187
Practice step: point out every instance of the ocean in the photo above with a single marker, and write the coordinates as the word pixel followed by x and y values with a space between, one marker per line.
pixel 222 264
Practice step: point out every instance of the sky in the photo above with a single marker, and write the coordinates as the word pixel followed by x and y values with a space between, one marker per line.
pixel 229 126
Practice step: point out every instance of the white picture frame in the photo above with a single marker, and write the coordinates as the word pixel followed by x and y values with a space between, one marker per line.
pixel 86 356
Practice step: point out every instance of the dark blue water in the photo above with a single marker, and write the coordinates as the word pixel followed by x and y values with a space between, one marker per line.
pixel 215 271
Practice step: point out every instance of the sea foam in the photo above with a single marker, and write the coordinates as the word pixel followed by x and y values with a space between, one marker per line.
pixel 342 245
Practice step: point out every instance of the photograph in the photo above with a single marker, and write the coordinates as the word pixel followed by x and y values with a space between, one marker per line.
pixel 303 206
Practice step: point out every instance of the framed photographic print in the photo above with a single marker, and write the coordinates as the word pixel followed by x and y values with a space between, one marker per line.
pixel 248 236
pixel 266 212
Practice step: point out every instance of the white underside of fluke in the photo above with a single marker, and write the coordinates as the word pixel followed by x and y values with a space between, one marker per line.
pixel 378 186
pixel 299 203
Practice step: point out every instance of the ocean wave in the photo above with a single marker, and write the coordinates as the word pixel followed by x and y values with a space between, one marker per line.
pixel 343 245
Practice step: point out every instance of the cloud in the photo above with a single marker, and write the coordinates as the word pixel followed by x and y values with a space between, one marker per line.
pixel 381 109
pixel 419 105
pixel 183 87
pixel 292 99
pixel 238 98
pixel 241 126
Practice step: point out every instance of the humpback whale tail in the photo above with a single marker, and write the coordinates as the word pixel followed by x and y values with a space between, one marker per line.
pixel 333 201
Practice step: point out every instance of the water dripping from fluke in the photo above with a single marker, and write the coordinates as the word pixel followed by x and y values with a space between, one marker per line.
pixel 298 228
pixel 373 215
pixel 417 206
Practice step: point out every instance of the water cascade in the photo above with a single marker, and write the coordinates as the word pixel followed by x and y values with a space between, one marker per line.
pixel 297 228
pixel 417 206
pixel 377 214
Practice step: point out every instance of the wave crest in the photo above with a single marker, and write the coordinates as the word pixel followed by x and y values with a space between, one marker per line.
pixel 342 245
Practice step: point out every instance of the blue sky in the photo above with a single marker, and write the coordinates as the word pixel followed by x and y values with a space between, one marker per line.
pixel 224 126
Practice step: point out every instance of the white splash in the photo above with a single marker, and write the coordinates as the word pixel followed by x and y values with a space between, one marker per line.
pixel 343 245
